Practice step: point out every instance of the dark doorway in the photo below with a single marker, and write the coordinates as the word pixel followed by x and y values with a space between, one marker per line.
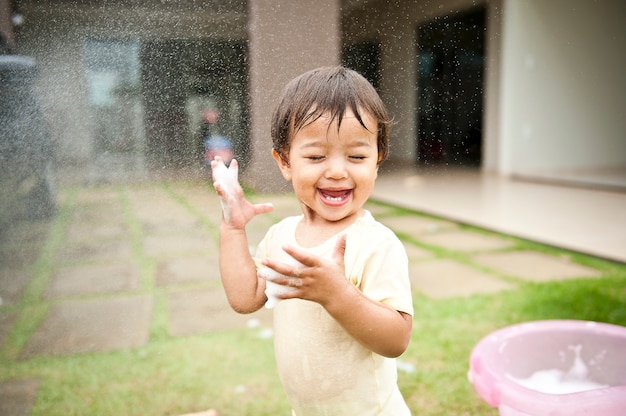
pixel 180 80
pixel 450 89
pixel 363 57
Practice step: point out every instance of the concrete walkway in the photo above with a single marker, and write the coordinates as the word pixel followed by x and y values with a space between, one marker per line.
pixel 575 215
pixel 98 268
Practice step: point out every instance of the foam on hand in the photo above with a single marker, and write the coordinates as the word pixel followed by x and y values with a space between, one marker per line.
pixel 228 179
pixel 272 290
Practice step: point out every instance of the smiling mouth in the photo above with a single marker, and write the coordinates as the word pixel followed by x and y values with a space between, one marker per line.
pixel 335 197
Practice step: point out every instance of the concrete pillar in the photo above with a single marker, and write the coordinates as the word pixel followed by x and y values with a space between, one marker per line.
pixel 6 27
pixel 398 91
pixel 286 38
pixel 491 100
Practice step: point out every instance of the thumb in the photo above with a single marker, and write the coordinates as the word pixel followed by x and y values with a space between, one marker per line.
pixel 340 248
pixel 263 208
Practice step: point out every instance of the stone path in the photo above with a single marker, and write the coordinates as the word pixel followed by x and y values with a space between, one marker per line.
pixel 98 268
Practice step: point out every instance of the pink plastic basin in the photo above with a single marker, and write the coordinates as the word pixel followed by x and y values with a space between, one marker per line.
pixel 596 351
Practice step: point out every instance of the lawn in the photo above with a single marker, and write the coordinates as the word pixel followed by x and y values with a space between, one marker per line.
pixel 234 371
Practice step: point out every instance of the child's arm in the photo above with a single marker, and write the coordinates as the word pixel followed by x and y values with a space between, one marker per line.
pixel 376 326
pixel 244 290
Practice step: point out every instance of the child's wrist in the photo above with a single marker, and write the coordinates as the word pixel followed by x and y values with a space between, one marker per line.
pixel 230 228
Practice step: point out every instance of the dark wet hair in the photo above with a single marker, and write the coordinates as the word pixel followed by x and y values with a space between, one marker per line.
pixel 327 90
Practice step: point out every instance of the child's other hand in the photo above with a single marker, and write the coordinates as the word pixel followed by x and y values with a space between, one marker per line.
pixel 318 279
pixel 236 209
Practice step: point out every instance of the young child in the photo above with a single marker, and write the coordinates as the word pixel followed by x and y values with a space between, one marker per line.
pixel 349 311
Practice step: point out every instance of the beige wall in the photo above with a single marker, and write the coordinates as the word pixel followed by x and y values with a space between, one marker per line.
pixel 562 92
pixel 285 39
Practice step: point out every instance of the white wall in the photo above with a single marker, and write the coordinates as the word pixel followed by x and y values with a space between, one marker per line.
pixel 562 92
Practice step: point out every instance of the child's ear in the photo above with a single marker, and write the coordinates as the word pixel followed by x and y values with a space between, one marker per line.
pixel 284 167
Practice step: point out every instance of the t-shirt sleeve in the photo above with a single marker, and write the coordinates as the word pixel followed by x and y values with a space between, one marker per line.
pixel 381 271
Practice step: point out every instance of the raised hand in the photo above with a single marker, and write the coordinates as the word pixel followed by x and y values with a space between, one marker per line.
pixel 236 209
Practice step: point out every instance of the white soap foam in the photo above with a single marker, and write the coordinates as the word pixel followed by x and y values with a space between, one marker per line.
pixel 554 381
pixel 272 290
pixel 228 178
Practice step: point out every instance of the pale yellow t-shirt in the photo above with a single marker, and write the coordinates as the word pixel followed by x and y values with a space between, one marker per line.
pixel 324 371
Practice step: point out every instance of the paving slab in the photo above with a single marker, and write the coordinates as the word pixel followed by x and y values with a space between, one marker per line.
pixel 12 284
pixel 204 199
pixel 94 250
pixel 169 244
pixel 98 278
pixel 416 253
pixel 23 233
pixel 466 241
pixel 92 326
pixel 16 254
pixel 159 213
pixel 202 311
pixel 535 266
pixel 97 212
pixel 17 396
pixel 441 279
pixel 107 230
pixel 415 225
pixel 96 195
pixel 188 269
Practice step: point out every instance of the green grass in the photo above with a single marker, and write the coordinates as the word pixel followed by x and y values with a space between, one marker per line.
pixel 234 371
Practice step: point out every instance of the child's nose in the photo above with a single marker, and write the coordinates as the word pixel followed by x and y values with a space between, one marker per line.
pixel 336 168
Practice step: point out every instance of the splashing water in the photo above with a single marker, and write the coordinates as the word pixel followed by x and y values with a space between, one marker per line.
pixel 555 381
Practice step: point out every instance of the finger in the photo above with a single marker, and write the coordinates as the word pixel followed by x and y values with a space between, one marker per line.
pixel 282 270
pixel 301 256
pixel 278 267
pixel 221 190
pixel 263 208
pixel 234 167
pixel 294 282
pixel 215 162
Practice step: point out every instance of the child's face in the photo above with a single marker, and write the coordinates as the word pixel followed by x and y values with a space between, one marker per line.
pixel 333 172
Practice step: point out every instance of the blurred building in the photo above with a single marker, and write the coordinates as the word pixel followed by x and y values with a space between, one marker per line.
pixel 530 88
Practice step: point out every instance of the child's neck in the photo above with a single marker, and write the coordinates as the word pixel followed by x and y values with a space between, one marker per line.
pixel 313 230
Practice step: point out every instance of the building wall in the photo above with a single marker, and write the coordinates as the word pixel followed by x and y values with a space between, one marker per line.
pixel 285 39
pixel 562 92
pixel 394 25
pixel 553 91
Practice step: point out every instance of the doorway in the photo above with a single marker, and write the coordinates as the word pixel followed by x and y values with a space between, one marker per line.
pixel 180 80
pixel 450 62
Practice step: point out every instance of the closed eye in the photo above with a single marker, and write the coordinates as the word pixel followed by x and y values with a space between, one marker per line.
pixel 315 158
